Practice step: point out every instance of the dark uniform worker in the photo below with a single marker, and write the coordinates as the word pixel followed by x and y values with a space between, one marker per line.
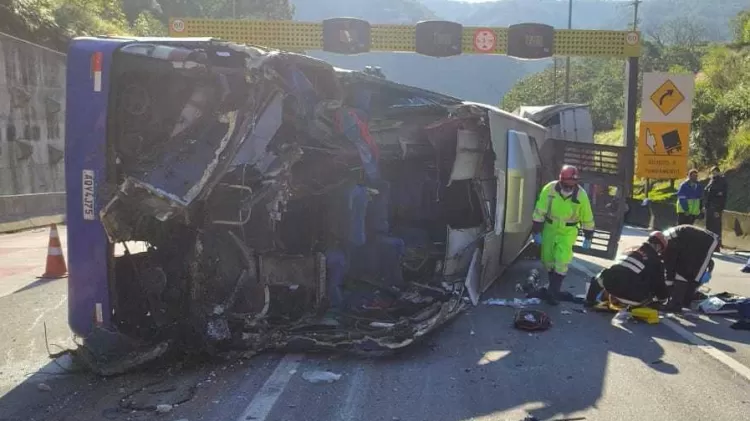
pixel 715 201
pixel 636 278
pixel 687 262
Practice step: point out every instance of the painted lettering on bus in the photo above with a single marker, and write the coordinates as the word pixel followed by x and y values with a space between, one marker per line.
pixel 88 195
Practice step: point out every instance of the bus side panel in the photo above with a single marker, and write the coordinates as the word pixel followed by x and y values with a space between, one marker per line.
pixel 85 174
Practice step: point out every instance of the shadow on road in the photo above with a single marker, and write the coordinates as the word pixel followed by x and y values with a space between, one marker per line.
pixel 477 367
pixel 480 367
pixel 39 282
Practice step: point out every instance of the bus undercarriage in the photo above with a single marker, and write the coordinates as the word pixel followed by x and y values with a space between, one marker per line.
pixel 279 203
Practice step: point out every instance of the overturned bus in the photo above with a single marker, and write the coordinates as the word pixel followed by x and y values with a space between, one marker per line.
pixel 226 197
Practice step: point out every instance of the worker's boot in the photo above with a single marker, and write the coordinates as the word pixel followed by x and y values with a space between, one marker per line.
pixel 677 297
pixel 553 291
pixel 593 292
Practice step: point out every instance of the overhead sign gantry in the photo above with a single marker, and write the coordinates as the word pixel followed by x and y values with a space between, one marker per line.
pixel 431 38
pixel 436 39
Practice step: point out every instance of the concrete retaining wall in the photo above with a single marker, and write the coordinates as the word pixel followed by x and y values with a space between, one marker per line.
pixel 32 133
pixel 24 211
pixel 735 226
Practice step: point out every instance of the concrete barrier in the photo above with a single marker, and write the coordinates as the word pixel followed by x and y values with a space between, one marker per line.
pixel 735 225
pixel 655 216
pixel 23 211
pixel 735 230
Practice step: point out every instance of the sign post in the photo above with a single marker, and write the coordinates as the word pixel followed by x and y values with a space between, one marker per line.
pixel 666 113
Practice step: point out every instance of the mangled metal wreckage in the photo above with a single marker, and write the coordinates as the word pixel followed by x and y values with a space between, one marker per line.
pixel 289 204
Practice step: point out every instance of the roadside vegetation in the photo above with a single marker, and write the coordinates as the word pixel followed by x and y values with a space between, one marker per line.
pixel 54 22
pixel 721 109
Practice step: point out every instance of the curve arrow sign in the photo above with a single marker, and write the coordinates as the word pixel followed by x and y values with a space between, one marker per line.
pixel 666 94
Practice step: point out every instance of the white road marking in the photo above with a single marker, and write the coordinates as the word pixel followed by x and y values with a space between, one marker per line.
pixel 350 410
pixel 47 311
pixel 263 401
pixel 721 357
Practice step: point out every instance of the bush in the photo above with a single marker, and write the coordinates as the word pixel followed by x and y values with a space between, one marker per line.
pixel 738 146
pixel 721 105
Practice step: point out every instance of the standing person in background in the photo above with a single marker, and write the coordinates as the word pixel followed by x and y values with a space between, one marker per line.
pixel 689 198
pixel 715 201
pixel 561 208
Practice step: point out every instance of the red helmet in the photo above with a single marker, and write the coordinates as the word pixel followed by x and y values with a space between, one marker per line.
pixel 569 175
pixel 657 237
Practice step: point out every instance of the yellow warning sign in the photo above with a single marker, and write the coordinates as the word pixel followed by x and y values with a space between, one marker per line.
pixel 667 97
pixel 663 150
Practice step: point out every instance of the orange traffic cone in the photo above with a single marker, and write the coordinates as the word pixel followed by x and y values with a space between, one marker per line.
pixel 56 267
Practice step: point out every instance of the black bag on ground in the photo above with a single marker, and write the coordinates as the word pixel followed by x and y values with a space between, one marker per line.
pixel 531 320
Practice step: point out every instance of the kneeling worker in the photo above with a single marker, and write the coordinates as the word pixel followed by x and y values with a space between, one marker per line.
pixel 688 262
pixel 561 207
pixel 636 278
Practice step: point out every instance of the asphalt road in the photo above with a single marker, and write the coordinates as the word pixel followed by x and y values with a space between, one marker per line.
pixel 477 368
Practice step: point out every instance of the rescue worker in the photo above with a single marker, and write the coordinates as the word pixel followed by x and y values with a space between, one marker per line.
pixel 715 201
pixel 687 262
pixel 636 278
pixel 561 208
pixel 689 198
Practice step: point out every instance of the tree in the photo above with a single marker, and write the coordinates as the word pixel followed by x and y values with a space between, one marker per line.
pixel 146 24
pixel 32 20
pixel 741 28
pixel 218 9
pixel 593 81
pixel 91 17
pixel 678 41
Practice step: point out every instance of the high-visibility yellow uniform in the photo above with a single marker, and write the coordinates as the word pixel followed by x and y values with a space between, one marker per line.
pixel 562 217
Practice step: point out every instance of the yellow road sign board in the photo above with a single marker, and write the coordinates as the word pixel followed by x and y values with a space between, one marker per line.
pixel 663 150
pixel 297 36
pixel 667 97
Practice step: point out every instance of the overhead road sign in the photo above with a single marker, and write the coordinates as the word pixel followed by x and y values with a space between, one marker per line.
pixel 439 39
pixel 663 150
pixel 485 40
pixel 346 36
pixel 531 40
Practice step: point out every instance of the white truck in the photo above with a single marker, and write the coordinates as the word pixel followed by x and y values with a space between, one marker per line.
pixel 564 121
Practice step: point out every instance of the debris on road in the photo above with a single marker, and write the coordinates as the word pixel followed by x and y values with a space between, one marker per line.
pixel 321 376
pixel 566 312
pixel 163 408
pixel 531 320
pixel 44 387
pixel 621 317
pixel 515 303
pixel 711 305
pixel 159 394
